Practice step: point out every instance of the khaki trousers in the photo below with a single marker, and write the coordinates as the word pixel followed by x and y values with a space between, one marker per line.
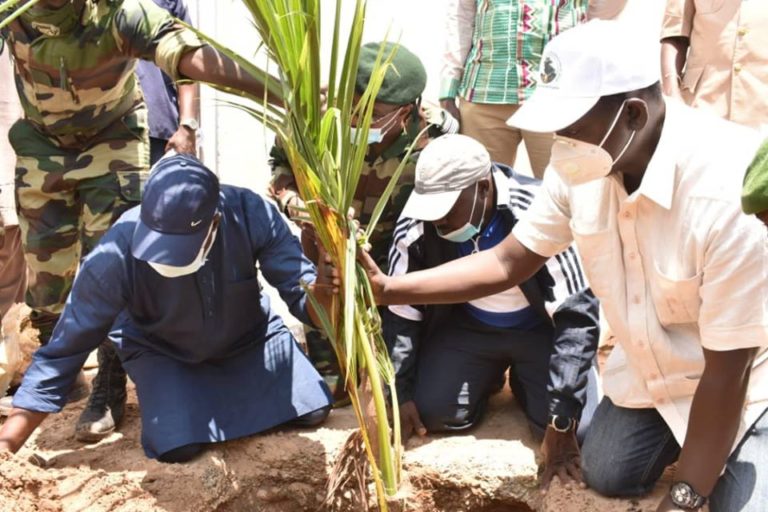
pixel 488 124
pixel 13 269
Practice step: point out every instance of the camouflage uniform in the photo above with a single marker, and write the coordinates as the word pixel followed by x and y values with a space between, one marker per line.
pixel 82 148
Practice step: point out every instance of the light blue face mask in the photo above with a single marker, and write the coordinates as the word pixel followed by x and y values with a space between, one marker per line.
pixel 468 231
pixel 376 135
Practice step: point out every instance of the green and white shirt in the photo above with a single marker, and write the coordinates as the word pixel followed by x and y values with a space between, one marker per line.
pixel 493 47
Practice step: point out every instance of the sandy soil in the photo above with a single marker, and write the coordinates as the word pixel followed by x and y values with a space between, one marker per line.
pixel 492 469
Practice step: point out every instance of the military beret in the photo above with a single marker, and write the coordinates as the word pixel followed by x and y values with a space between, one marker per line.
pixel 754 195
pixel 404 81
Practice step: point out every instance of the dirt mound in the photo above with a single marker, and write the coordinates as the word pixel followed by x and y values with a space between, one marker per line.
pixel 18 342
pixel 491 470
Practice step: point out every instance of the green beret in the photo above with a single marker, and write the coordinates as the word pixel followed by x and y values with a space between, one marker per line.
pixel 754 195
pixel 405 79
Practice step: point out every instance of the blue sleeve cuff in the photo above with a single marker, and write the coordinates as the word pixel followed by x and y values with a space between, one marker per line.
pixel 32 401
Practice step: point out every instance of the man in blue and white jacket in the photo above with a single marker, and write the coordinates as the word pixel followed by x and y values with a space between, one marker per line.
pixel 450 358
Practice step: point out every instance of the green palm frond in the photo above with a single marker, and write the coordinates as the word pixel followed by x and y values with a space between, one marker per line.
pixel 15 11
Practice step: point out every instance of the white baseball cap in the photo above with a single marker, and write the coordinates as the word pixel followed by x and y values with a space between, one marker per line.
pixel 583 64
pixel 448 165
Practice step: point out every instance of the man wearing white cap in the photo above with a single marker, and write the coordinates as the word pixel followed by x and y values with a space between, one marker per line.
pixel 650 192
pixel 449 359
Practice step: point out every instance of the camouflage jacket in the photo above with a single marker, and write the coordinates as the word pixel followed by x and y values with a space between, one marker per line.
pixel 374 179
pixel 76 78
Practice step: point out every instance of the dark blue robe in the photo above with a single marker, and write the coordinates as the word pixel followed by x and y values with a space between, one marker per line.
pixel 210 360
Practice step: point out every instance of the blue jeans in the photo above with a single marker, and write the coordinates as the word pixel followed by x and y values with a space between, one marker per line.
pixel 626 451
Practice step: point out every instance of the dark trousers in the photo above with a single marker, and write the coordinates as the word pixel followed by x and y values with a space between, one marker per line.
pixel 463 363
pixel 156 149
pixel 626 451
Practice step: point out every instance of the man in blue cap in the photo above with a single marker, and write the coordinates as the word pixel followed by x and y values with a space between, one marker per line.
pixel 175 286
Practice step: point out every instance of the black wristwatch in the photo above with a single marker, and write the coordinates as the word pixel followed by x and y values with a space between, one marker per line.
pixel 562 424
pixel 683 496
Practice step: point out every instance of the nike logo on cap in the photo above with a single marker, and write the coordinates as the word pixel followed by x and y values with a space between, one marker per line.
pixel 195 224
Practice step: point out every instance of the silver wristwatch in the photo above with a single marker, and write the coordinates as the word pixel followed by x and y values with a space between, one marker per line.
pixel 683 496
pixel 190 123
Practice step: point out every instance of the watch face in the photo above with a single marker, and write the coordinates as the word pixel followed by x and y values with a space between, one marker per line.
pixel 684 496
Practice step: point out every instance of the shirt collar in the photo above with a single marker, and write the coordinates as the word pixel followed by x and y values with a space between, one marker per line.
pixel 659 179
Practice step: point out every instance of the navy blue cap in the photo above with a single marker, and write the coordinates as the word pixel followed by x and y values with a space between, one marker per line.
pixel 177 209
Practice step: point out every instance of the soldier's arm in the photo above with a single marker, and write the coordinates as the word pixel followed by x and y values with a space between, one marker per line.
pixel 145 31
pixel 206 64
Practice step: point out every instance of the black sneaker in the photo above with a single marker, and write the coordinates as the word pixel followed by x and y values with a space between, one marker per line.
pixel 106 406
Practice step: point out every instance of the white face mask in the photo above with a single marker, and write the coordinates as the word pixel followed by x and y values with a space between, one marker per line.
pixel 172 272
pixel 579 162
pixel 376 135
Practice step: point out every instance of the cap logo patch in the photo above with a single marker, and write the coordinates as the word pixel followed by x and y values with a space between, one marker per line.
pixel 550 69
pixel 195 224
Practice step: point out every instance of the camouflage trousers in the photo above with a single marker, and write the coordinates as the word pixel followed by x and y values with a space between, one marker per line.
pixel 67 199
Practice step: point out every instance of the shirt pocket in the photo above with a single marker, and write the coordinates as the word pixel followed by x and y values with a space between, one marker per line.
pixel 708 6
pixel 677 301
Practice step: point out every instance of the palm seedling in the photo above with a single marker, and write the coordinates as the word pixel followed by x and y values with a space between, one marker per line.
pixel 327 160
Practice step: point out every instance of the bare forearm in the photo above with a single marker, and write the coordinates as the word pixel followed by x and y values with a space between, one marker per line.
pixel 189 101
pixel 712 428
pixel 207 64
pixel 674 52
pixel 464 279
pixel 18 427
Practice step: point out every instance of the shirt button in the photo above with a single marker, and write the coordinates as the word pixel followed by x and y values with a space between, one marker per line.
pixel 737 68
pixel 636 299
pixel 632 255
pixel 743 31
pixel 627 215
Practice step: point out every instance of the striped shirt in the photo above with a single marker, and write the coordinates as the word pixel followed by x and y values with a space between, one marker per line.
pixel 498 310
pixel 493 47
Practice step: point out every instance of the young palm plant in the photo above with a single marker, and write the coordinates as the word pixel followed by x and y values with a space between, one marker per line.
pixel 12 9
pixel 314 126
